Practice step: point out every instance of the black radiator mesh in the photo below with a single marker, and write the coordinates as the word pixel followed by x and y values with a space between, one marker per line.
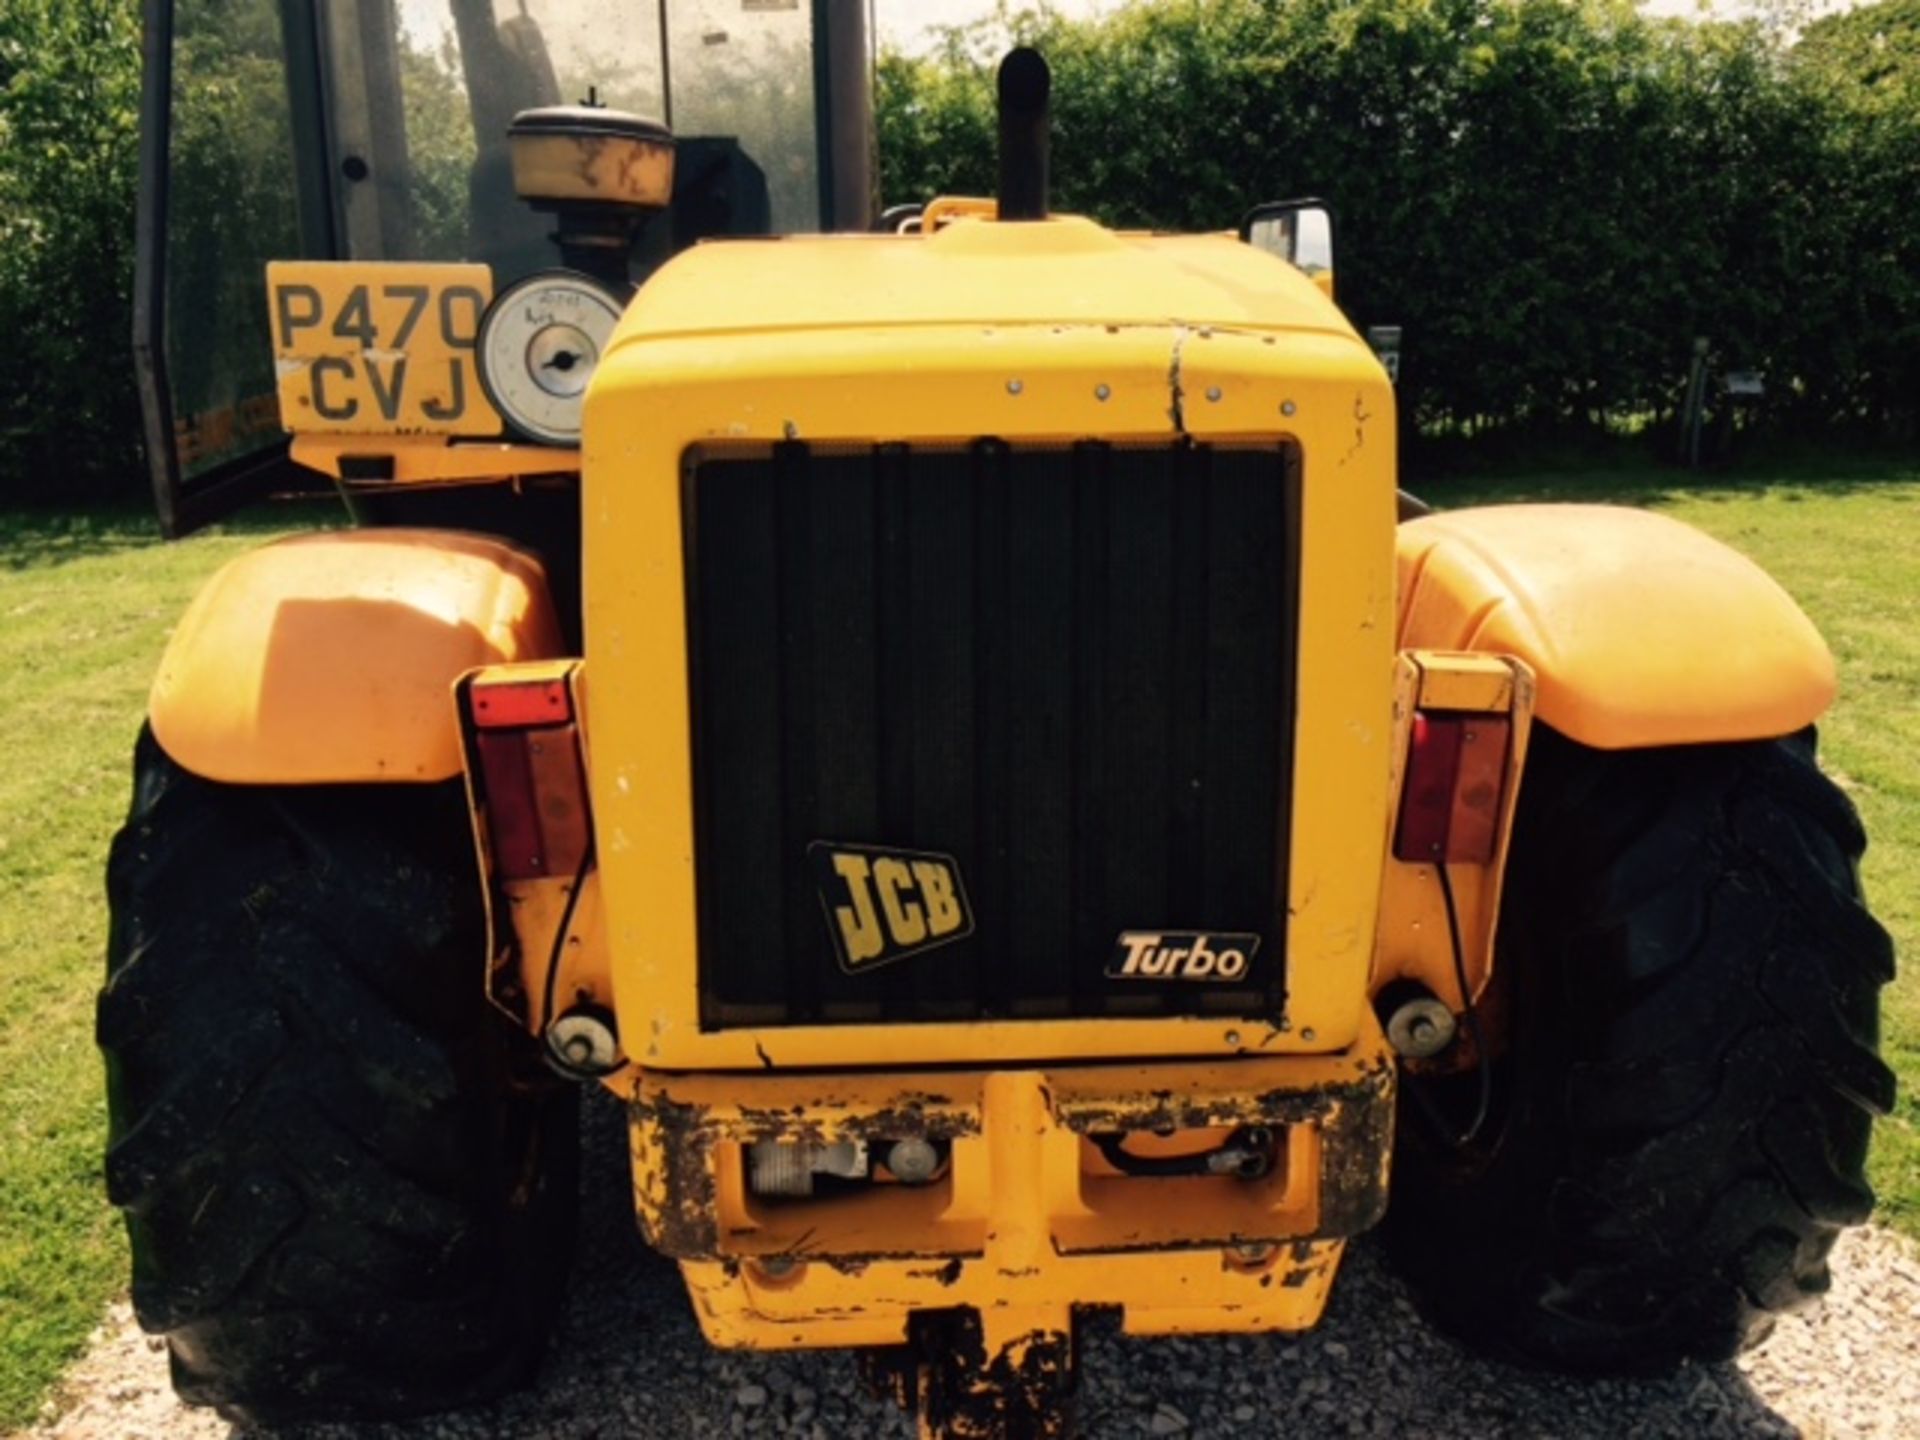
pixel 1070 669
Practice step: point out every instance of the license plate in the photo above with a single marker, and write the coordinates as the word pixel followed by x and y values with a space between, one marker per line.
pixel 379 349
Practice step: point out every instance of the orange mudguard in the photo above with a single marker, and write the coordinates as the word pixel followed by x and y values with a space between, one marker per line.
pixel 1640 630
pixel 330 658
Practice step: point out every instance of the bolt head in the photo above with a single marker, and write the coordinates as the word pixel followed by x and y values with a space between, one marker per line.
pixel 584 1042
pixel 913 1161
pixel 1421 1028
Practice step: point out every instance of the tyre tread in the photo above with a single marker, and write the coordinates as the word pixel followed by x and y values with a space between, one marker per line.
pixel 310 1132
pixel 1693 1134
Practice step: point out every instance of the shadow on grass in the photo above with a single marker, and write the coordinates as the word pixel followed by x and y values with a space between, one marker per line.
pixel 36 537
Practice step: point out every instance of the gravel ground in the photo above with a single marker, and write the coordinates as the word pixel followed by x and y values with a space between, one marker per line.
pixel 629 1361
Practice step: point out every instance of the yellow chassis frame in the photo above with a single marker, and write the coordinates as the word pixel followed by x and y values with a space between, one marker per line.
pixel 1027 1222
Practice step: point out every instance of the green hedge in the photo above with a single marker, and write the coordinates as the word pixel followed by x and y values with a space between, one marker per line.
pixel 1553 198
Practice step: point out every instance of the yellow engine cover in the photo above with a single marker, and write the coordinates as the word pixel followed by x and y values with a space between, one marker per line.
pixel 1053 332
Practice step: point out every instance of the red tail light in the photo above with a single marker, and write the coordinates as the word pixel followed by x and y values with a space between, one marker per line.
pixel 519 703
pixel 1450 797
pixel 533 785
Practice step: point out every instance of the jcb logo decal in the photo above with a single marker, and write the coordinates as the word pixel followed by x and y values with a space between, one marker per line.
pixel 1198 955
pixel 887 904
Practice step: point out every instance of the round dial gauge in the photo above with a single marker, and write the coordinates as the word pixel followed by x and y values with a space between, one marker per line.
pixel 539 342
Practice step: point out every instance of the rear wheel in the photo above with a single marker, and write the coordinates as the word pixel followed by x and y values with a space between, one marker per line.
pixel 348 1186
pixel 1684 1103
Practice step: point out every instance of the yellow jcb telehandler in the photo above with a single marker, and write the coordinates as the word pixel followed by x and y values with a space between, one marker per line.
pixel 947 718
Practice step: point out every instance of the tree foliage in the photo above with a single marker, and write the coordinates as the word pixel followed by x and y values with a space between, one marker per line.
pixel 69 122
pixel 1553 197
pixel 1868 61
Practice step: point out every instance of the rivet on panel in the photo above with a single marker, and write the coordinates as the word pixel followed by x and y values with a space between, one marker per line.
pixel 1014 387
pixel 1102 392
pixel 1287 407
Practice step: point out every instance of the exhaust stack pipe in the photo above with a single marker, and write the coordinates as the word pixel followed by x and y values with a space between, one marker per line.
pixel 1025 83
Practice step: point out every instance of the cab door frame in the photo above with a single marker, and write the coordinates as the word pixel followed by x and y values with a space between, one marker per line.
pixel 184 504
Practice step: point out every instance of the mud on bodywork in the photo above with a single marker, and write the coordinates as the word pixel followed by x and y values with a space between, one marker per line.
pixel 688 1131
pixel 1024 1390
pixel 946 1374
pixel 1356 1156
pixel 969 1288
pixel 1026 1211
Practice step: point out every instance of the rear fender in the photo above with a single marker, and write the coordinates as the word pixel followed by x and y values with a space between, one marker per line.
pixel 1639 630
pixel 330 658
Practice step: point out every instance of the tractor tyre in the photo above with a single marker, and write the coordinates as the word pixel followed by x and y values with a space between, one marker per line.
pixel 1682 1105
pixel 349 1186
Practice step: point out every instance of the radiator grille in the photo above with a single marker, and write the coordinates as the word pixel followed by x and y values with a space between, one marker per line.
pixel 1068 668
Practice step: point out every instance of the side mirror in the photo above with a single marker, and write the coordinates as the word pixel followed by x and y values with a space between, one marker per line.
pixel 1300 232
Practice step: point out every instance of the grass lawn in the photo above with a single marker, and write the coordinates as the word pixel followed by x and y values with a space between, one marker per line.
pixel 88 604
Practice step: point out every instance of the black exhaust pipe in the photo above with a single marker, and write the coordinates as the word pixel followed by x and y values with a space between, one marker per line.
pixel 1025 83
